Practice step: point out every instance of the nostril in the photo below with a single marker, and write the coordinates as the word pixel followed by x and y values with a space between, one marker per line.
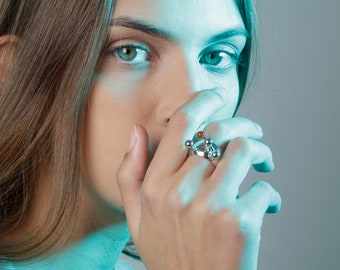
pixel 164 112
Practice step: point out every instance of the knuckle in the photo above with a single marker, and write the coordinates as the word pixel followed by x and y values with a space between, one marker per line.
pixel 250 223
pixel 256 150
pixel 269 195
pixel 267 150
pixel 174 201
pixel 161 198
pixel 228 132
pixel 242 121
pixel 247 122
pixel 197 209
pixel 213 128
pixel 123 179
pixel 216 97
pixel 241 145
pixel 264 186
pixel 226 218
pixel 150 196
pixel 180 120
pixel 229 225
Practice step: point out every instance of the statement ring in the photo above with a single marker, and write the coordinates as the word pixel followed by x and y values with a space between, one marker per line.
pixel 203 147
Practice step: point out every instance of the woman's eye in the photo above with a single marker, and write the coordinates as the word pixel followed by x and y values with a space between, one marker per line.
pixel 218 59
pixel 127 53
pixel 131 54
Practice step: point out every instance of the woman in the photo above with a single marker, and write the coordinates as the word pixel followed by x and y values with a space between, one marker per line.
pixel 99 101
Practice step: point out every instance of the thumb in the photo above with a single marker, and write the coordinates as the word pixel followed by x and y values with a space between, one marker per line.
pixel 130 177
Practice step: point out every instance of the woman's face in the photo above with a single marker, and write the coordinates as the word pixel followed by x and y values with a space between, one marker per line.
pixel 159 54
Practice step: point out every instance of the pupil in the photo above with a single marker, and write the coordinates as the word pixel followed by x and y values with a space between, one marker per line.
pixel 127 53
pixel 214 58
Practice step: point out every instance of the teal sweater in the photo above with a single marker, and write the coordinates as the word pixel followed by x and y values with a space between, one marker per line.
pixel 99 250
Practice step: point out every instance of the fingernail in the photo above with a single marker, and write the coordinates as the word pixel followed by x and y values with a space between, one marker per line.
pixel 267 166
pixel 133 137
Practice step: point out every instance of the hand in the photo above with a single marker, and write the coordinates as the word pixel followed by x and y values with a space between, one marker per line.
pixel 185 212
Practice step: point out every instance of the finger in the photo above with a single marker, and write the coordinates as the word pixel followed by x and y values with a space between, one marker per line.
pixel 226 130
pixel 254 203
pixel 231 170
pixel 250 208
pixel 182 126
pixel 195 170
pixel 130 177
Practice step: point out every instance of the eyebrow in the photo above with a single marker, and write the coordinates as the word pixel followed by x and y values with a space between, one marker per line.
pixel 160 33
pixel 241 32
pixel 141 26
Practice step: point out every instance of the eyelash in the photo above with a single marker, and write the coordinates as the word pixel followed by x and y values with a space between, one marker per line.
pixel 221 51
pixel 138 47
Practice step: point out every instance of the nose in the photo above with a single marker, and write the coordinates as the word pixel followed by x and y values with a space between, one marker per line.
pixel 175 82
pixel 183 77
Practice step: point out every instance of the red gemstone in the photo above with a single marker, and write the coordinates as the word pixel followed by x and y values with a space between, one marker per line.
pixel 200 134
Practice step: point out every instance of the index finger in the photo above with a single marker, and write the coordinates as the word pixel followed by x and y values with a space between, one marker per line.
pixel 182 126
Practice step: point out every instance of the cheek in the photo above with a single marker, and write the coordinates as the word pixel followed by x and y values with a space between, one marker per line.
pixel 121 84
pixel 108 124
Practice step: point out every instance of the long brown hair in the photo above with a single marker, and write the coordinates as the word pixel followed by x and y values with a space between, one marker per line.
pixel 41 107
pixel 41 104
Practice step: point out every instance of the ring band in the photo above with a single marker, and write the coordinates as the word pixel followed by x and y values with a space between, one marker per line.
pixel 203 147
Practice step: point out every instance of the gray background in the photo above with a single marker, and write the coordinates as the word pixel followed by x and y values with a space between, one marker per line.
pixel 296 101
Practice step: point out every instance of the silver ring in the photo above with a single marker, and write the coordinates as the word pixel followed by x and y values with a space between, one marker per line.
pixel 203 147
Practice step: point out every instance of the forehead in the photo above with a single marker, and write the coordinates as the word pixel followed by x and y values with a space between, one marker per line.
pixel 183 18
